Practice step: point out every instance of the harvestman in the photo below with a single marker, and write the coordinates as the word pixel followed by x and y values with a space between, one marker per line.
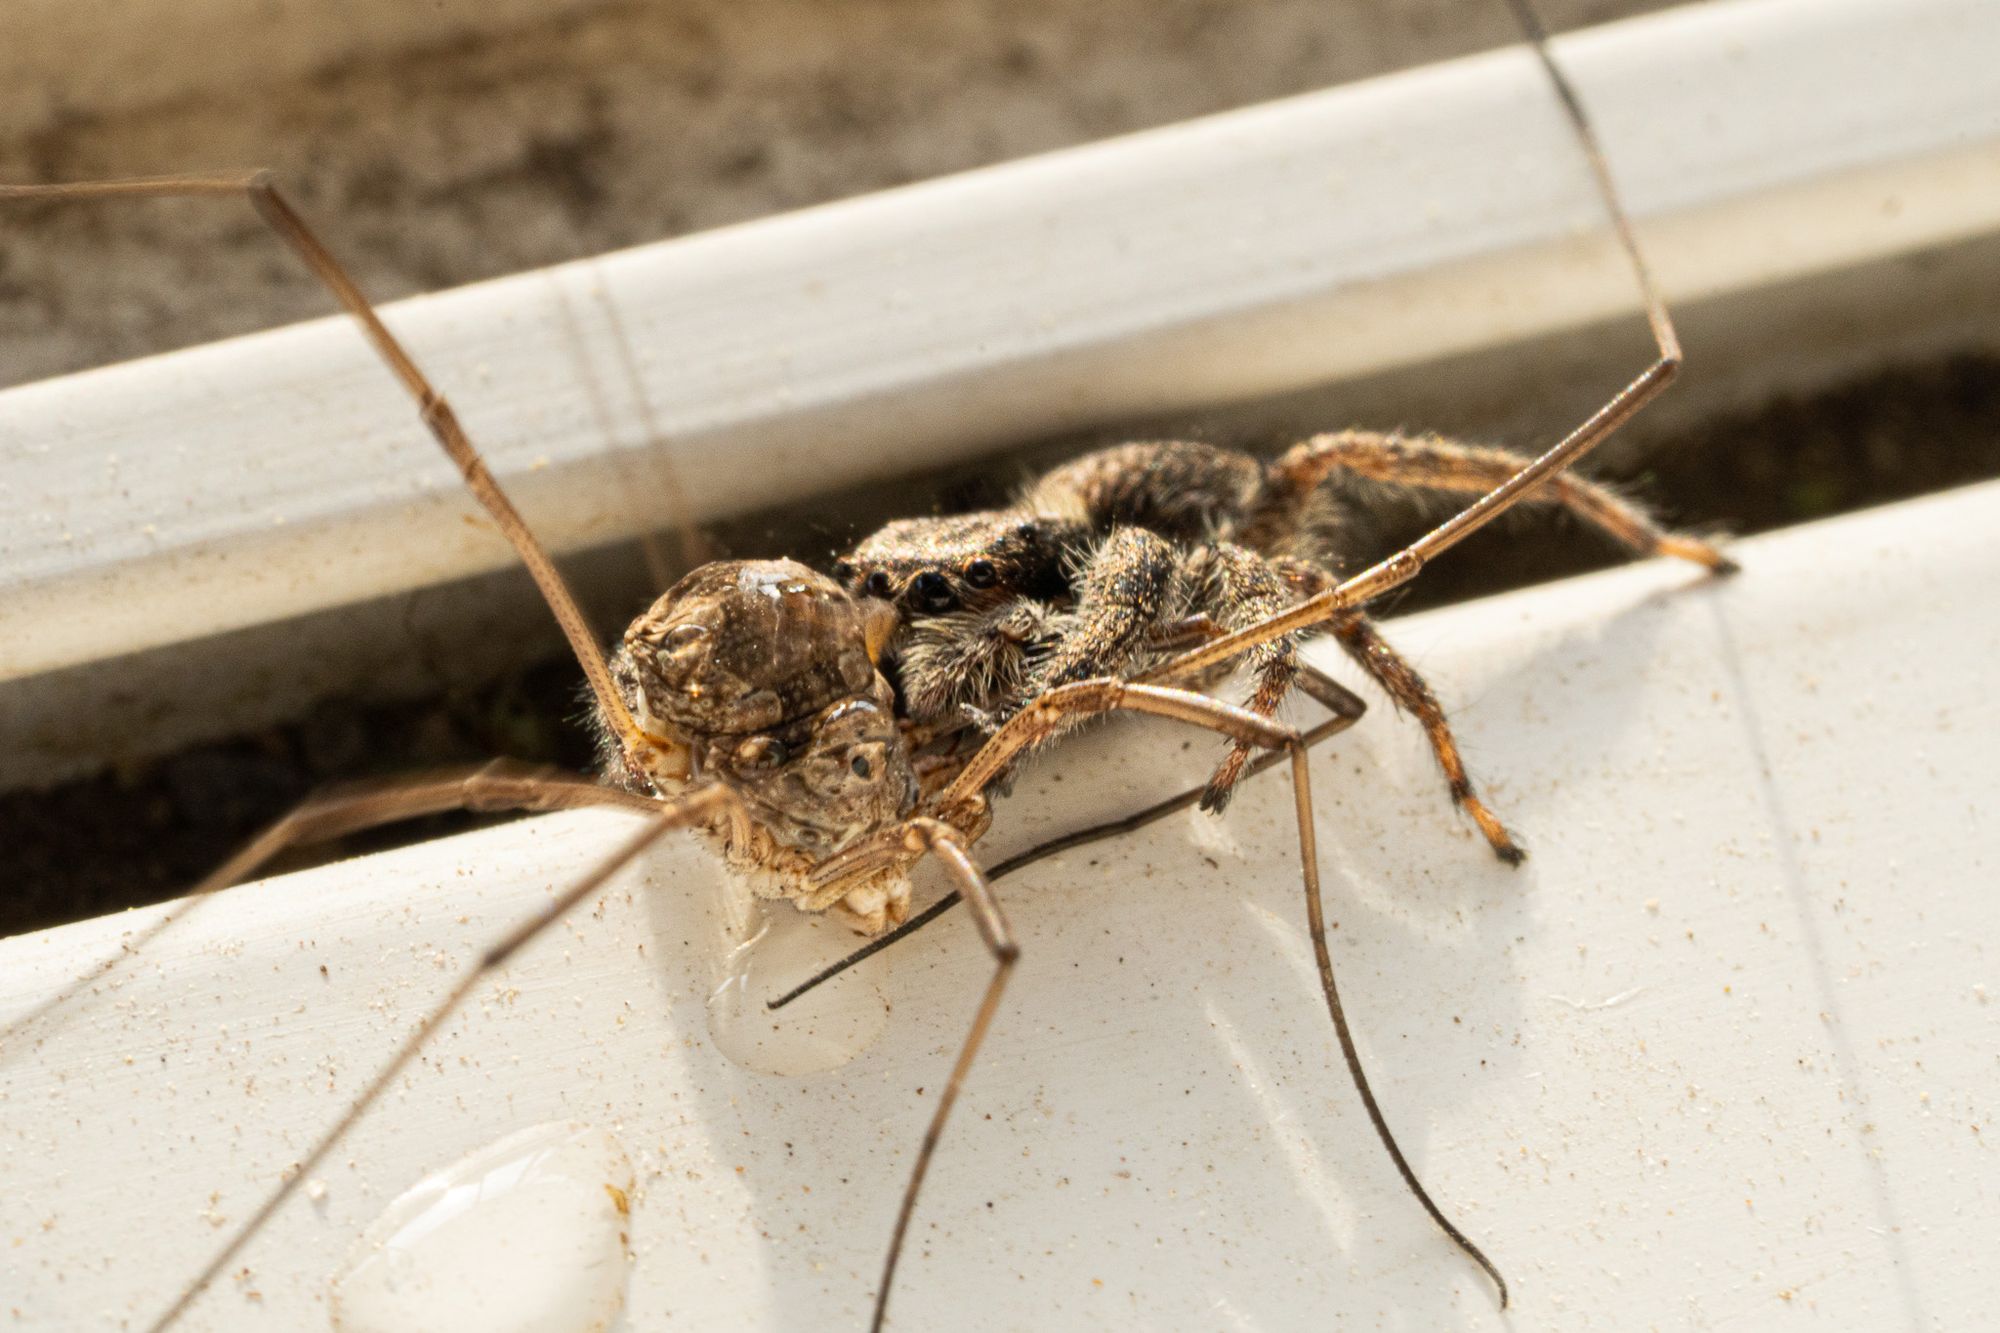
pixel 670 726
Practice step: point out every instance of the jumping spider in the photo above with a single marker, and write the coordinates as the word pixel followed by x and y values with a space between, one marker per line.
pixel 1109 561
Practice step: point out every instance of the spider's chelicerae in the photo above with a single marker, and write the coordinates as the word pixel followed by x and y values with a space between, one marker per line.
pixel 1108 562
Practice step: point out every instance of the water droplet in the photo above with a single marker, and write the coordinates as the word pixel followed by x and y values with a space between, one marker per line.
pixel 526 1235
pixel 772 947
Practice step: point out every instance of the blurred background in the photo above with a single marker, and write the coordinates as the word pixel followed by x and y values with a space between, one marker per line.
pixel 441 144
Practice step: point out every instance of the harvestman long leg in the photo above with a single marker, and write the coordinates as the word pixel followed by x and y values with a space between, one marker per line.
pixel 261 192
pixel 697 807
pixel 1400 567
pixel 1038 720
pixel 502 785
pixel 258 189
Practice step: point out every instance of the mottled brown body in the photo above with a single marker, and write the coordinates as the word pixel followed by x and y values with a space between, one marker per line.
pixel 1106 562
pixel 761 674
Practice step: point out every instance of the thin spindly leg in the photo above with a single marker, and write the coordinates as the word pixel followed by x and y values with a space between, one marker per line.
pixel 1412 695
pixel 350 808
pixel 963 804
pixel 695 808
pixel 943 842
pixel 262 194
pixel 1435 463
pixel 1404 565
pixel 1345 705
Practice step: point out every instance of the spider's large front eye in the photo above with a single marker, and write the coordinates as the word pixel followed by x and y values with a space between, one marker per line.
pixel 981 574
pixel 761 754
pixel 877 585
pixel 932 591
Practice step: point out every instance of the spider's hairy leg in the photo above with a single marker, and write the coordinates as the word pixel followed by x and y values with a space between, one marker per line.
pixel 502 785
pixel 701 806
pixel 1047 714
pixel 260 191
pixel 1401 566
pixel 1238 587
pixel 1123 592
pixel 1413 695
pixel 1433 462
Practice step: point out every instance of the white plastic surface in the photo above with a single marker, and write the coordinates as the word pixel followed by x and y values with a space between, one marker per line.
pixel 1240 255
pixel 524 1235
pixel 1722 1053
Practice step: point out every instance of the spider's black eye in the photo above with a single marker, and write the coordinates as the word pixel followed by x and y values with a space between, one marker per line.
pixel 862 768
pixel 843 572
pixel 761 753
pixel 877 585
pixel 932 591
pixel 981 574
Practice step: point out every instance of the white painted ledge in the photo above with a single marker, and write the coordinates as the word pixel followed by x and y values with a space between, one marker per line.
pixel 1722 1052
pixel 1284 245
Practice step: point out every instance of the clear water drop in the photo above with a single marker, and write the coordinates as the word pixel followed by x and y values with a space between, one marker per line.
pixel 526 1235
pixel 771 947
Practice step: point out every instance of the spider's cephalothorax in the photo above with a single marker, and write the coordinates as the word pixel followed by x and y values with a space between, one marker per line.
pixel 1143 547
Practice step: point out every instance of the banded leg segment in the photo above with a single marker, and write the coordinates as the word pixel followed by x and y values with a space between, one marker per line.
pixel 277 213
pixel 1435 463
pixel 1413 695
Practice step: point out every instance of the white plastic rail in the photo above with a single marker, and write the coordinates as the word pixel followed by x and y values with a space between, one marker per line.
pixel 1262 250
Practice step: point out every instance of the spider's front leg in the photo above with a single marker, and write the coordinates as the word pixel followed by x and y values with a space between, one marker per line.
pixel 1124 592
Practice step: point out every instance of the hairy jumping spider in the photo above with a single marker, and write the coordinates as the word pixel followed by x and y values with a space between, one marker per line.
pixel 1117 557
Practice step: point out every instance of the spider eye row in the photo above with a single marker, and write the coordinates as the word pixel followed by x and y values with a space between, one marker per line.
pixel 931 588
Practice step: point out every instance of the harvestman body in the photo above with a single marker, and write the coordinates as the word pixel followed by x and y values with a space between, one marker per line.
pixel 748 703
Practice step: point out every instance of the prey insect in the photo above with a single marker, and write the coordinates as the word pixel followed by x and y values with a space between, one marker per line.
pixel 797 763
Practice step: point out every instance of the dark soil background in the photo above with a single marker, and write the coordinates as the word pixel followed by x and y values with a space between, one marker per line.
pixel 144 832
